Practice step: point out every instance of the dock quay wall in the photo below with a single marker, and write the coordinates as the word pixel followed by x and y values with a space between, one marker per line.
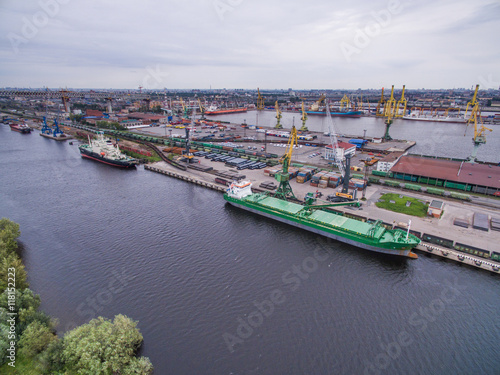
pixel 470 260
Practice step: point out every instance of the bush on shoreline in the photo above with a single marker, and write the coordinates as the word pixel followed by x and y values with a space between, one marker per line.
pixel 101 346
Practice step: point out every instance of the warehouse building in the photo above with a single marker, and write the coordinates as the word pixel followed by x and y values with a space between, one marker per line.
pixel 478 178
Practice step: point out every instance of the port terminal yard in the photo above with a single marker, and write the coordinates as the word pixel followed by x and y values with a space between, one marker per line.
pixel 440 227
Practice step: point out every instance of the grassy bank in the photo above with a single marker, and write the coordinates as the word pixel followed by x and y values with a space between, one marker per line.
pixel 416 208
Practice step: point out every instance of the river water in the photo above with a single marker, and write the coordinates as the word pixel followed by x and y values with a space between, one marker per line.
pixel 219 291
pixel 433 138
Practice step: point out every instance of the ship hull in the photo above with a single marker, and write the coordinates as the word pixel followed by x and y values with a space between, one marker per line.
pixel 448 120
pixel 303 224
pixel 116 163
pixel 226 111
pixel 19 129
pixel 353 114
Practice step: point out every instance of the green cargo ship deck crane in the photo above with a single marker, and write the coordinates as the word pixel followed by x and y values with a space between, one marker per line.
pixel 284 190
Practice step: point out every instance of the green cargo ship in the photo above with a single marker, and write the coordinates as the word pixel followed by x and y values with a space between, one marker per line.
pixel 373 237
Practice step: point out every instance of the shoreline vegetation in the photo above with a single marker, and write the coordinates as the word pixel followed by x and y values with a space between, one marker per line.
pixel 29 344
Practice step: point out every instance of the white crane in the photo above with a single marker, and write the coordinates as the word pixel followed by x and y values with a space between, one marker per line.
pixel 334 141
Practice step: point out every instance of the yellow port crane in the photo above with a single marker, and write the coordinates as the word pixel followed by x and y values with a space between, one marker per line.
pixel 389 109
pixel 390 105
pixel 65 99
pixel 202 110
pixel 381 105
pixel 479 131
pixel 401 105
pixel 278 116
pixel 184 109
pixel 284 190
pixel 304 119
pixel 316 104
pixel 260 100
pixel 345 101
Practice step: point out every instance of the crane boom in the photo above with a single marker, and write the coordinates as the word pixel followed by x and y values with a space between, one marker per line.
pixel 381 105
pixel 479 131
pixel 284 190
pixel 304 119
pixel 334 141
pixel 315 106
pixel 260 100
pixel 278 116
pixel 401 105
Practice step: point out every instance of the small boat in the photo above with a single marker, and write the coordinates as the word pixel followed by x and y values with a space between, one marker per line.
pixel 21 128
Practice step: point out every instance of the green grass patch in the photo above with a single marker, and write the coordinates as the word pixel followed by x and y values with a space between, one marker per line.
pixel 416 208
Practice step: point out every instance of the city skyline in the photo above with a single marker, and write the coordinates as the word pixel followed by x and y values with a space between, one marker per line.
pixel 240 44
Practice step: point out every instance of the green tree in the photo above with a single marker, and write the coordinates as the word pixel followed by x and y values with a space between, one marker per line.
pixel 4 340
pixel 7 263
pixel 105 347
pixel 35 338
pixel 9 232
pixel 50 361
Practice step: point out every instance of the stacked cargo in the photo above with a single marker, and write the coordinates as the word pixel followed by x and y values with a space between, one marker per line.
pixel 334 179
pixel 304 174
pixel 271 172
pixel 480 221
pixel 293 172
pixel 323 184
pixel 268 185
pixel 316 178
pixel 356 183
pixel 136 150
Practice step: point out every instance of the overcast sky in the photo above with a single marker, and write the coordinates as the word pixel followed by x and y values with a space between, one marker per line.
pixel 250 43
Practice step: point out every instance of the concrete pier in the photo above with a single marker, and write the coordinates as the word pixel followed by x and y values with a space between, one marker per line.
pixel 205 180
pixel 457 256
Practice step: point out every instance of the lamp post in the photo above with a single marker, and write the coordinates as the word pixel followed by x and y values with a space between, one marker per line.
pixel 366 179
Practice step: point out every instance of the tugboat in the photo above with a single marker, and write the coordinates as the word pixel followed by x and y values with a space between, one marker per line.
pixel 21 128
pixel 103 150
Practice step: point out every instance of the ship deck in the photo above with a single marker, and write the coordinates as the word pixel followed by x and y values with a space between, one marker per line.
pixel 320 217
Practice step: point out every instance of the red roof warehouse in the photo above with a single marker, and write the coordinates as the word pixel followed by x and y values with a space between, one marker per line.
pixel 477 176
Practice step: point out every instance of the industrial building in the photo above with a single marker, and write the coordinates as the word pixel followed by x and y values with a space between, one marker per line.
pixel 385 164
pixel 474 177
pixel 343 149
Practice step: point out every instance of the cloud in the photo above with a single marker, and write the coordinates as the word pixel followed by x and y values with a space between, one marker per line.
pixel 254 43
